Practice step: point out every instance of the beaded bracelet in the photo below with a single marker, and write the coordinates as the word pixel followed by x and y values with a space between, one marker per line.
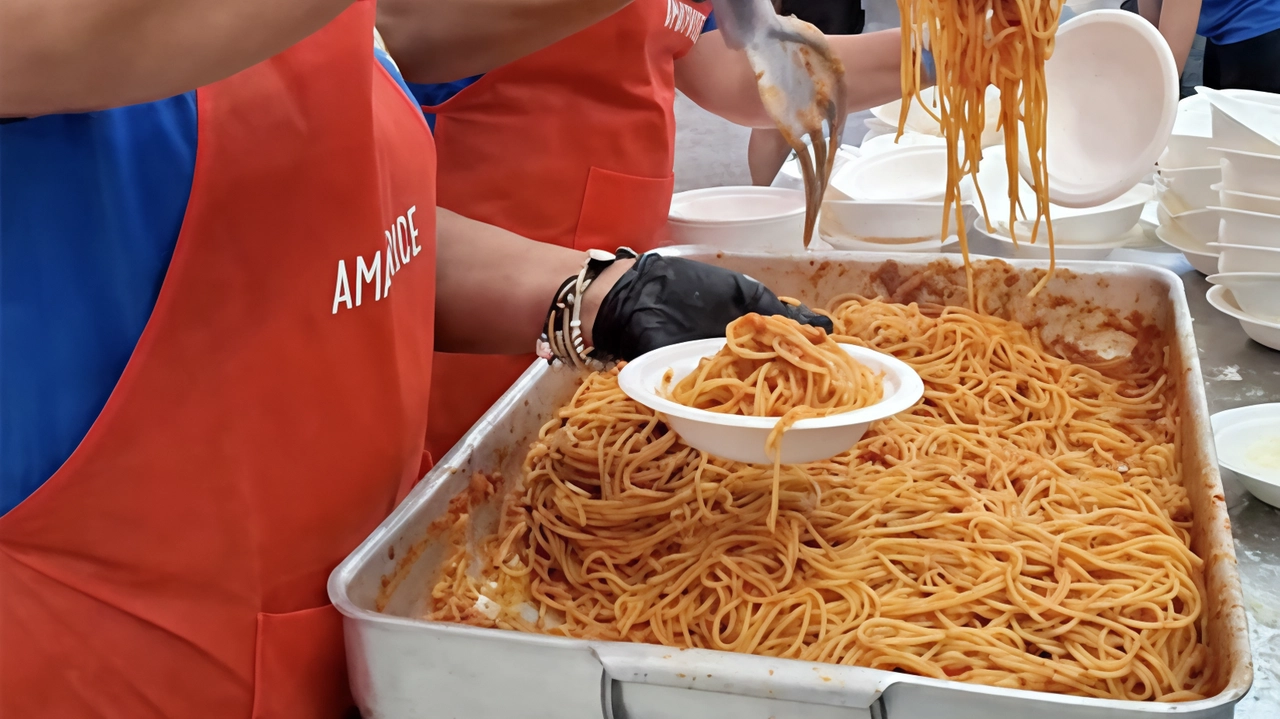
pixel 562 332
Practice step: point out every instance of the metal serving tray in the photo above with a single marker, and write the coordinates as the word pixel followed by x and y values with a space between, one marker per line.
pixel 404 667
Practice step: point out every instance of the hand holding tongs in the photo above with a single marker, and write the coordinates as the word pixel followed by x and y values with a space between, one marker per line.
pixel 801 84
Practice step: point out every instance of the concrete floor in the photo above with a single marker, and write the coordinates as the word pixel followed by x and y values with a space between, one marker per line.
pixel 710 152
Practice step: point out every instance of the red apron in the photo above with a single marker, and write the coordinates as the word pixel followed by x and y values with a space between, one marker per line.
pixel 269 418
pixel 572 145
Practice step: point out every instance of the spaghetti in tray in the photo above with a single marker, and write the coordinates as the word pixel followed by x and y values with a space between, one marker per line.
pixel 1023 526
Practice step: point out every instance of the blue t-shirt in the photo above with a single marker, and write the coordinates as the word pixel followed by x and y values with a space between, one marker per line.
pixel 1228 21
pixel 91 205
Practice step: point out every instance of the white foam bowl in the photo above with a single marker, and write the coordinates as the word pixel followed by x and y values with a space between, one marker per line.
pixel 1192 185
pixel 1093 225
pixel 919 120
pixel 1250 172
pixel 857 245
pixel 1257 112
pixel 760 218
pixel 792 176
pixel 1200 226
pixel 1241 227
pixel 1188 151
pixel 742 439
pixel 889 142
pixel 1248 201
pixel 1071 225
pixel 993 182
pixel 1229 134
pixel 1201 258
pixel 1106 129
pixel 1248 443
pixel 886 224
pixel 1172 202
pixel 1243 258
pixel 1192 138
pixel 1004 246
pixel 909 174
pixel 1266 334
pixel 1266 98
pixel 1257 294
pixel 1192 105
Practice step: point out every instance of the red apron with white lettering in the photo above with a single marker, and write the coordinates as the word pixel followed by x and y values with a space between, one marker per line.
pixel 572 145
pixel 270 417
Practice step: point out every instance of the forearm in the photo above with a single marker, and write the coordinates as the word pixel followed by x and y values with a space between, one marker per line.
pixel 872 67
pixel 721 80
pixel 444 40
pixel 1150 11
pixel 1178 21
pixel 493 287
pixel 767 151
pixel 79 55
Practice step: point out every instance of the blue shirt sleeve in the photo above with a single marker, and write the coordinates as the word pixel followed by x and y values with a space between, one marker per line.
pixel 711 22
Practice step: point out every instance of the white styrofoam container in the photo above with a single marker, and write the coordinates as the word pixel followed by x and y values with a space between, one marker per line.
pixel 740 218
pixel 404 667
pixel 746 439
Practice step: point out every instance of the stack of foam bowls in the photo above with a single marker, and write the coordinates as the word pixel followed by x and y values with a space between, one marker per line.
pixel 1246 272
pixel 889 200
pixel 739 218
pixel 1080 233
pixel 1186 186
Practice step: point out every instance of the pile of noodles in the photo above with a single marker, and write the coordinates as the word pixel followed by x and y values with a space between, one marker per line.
pixel 1023 525
pixel 978 44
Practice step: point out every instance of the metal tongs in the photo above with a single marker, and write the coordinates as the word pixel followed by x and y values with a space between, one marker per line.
pixel 801 83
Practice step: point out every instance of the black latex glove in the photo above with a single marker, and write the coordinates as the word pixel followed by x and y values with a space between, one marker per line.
pixel 664 300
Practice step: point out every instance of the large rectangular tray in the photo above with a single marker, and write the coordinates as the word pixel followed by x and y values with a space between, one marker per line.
pixel 405 667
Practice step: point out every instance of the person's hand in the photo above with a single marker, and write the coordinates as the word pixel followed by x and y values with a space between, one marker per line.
pixel 660 301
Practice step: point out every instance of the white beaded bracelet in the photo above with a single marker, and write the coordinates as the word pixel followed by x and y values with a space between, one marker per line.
pixel 562 332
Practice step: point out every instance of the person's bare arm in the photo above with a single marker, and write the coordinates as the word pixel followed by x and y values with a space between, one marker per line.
pixel 78 55
pixel 1150 11
pixel 1177 21
pixel 721 81
pixel 493 287
pixel 767 152
pixel 434 41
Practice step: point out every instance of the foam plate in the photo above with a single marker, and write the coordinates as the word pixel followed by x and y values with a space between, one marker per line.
pixel 743 438
pixel 1266 334
pixel 908 174
pixel 1201 258
pixel 1105 129
pixel 1248 441
pixel 1257 293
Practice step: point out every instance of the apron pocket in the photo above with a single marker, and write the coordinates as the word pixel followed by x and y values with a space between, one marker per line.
pixel 300 667
pixel 620 210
